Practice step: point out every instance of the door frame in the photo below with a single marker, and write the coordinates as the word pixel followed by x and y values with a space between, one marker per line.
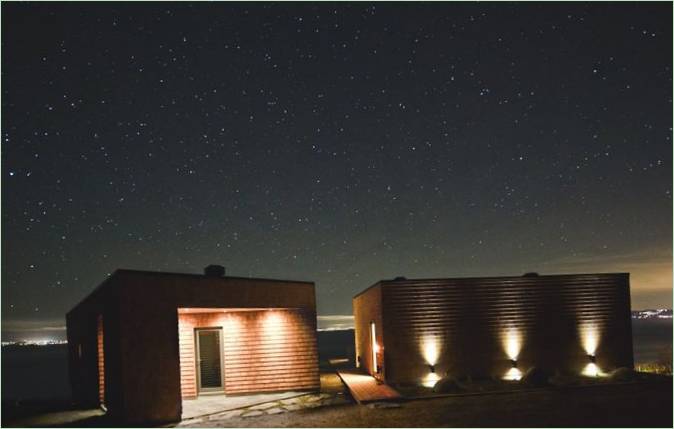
pixel 197 360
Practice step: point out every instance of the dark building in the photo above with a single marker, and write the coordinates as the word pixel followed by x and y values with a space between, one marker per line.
pixel 144 341
pixel 418 331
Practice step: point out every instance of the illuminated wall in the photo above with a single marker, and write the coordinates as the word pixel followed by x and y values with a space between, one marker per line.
pixel 367 309
pixel 143 381
pixel 266 350
pixel 500 327
pixel 100 349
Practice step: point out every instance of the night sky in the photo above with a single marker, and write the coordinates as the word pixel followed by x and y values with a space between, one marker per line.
pixel 337 143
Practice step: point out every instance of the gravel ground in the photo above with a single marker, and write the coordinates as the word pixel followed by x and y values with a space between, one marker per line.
pixel 640 404
pixel 626 405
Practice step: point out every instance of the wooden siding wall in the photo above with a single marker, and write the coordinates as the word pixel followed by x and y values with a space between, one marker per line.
pixel 367 307
pixel 268 350
pixel 547 320
pixel 101 359
pixel 141 339
pixel 83 359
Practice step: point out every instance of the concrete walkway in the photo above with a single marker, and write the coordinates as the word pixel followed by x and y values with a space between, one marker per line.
pixel 288 405
pixel 211 404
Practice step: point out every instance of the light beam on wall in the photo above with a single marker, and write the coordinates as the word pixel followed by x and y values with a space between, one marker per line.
pixel 431 349
pixel 375 347
pixel 232 325
pixel 513 343
pixel 589 333
pixel 590 338
pixel 273 325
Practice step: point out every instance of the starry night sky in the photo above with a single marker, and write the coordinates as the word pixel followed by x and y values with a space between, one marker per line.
pixel 338 143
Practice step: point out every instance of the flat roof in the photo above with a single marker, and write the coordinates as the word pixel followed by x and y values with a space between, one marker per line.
pixel 423 280
pixel 167 273
pixel 201 275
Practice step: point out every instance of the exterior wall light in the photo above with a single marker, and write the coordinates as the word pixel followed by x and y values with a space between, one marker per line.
pixel 592 370
pixel 432 368
pixel 512 342
pixel 430 380
pixel 513 374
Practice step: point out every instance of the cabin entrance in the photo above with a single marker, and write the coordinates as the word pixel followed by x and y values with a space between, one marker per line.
pixel 210 374
pixel 236 357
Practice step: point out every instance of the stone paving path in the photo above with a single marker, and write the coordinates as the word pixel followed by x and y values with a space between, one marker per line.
pixel 310 400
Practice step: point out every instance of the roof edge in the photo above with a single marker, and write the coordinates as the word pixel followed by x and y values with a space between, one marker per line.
pixel 393 281
pixel 505 277
pixel 169 273
pixel 380 282
pixel 96 290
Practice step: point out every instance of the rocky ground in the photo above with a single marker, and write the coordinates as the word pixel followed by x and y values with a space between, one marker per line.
pixel 332 393
pixel 303 402
pixel 644 403
pixel 610 405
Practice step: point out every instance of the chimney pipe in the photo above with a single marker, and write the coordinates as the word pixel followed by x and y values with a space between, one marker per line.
pixel 214 271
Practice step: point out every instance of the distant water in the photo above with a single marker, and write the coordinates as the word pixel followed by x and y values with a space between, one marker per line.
pixel 35 372
pixel 651 338
pixel 42 372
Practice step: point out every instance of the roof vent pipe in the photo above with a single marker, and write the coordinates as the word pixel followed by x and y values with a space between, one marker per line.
pixel 214 271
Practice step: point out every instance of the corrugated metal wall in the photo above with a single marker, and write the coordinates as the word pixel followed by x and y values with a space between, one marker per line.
pixel 89 378
pixel 476 326
pixel 267 350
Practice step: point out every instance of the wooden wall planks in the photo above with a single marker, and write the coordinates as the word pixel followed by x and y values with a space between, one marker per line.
pixel 547 319
pixel 268 350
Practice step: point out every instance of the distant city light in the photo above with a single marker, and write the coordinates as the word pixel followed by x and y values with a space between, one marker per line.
pixel 661 313
pixel 45 342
